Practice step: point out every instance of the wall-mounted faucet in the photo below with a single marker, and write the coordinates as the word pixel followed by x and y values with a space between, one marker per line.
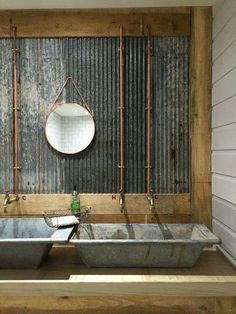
pixel 150 198
pixel 8 200
pixel 122 201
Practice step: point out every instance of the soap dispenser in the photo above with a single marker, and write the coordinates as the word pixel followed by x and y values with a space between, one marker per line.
pixel 75 202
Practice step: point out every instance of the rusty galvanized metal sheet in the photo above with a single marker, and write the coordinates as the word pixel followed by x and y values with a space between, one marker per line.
pixel 44 64
pixel 170 99
pixel 6 149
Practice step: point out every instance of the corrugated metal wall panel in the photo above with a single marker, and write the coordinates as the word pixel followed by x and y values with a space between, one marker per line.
pixel 93 63
pixel 135 114
pixel 6 160
pixel 42 72
pixel 171 114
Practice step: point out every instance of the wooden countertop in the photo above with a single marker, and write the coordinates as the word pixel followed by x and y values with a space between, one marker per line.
pixel 63 274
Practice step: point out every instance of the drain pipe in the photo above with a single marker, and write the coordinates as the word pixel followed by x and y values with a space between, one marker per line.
pixel 16 167
pixel 121 108
pixel 150 195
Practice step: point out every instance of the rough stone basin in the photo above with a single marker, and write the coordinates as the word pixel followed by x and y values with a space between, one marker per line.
pixel 25 242
pixel 141 245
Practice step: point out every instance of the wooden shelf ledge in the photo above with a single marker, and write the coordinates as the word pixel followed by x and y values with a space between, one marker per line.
pixel 123 285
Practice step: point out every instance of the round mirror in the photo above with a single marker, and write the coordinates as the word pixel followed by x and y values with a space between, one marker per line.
pixel 70 128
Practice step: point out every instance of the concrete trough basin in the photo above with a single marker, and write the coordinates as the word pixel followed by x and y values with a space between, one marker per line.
pixel 142 245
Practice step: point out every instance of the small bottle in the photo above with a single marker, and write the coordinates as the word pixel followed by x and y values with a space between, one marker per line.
pixel 75 202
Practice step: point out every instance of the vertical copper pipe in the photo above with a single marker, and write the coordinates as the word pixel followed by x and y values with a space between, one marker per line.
pixel 121 51
pixel 148 112
pixel 16 167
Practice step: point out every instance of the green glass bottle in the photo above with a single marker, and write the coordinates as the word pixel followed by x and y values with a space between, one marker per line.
pixel 75 202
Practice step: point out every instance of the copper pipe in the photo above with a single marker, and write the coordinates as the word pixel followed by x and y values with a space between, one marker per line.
pixel 121 51
pixel 149 52
pixel 16 167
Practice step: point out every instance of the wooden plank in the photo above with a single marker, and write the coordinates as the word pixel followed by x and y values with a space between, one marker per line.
pixel 224 187
pixel 155 218
pixel 96 22
pixel 116 305
pixel 224 212
pixel 225 305
pixel 223 15
pixel 224 88
pixel 224 137
pixel 148 218
pixel 227 236
pixel 34 204
pixel 225 38
pixel 200 102
pixel 116 218
pixel 121 285
pixel 224 113
pixel 225 63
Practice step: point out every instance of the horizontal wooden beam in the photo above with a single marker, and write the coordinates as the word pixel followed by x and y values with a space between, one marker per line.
pixel 101 204
pixel 115 305
pixel 139 218
pixel 123 285
pixel 95 22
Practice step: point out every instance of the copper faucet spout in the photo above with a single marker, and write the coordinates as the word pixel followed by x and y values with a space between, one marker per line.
pixel 122 201
pixel 7 200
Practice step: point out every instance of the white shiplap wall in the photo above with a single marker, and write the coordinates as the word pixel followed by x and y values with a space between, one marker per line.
pixel 224 125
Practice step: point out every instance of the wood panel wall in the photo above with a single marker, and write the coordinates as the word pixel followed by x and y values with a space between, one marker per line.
pixel 224 125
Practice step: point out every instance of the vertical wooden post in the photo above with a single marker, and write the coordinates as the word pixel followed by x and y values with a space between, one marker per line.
pixel 200 117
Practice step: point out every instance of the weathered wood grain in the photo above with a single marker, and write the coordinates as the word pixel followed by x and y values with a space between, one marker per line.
pixel 95 22
pixel 200 117
pixel 105 204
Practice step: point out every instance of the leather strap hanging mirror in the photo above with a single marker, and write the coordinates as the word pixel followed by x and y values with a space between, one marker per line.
pixel 70 127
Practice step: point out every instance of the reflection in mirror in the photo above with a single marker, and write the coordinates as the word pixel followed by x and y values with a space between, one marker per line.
pixel 69 128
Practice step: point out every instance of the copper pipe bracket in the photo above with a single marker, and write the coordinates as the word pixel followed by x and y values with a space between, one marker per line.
pixel 15 50
pixel 121 49
pixel 121 167
pixel 150 51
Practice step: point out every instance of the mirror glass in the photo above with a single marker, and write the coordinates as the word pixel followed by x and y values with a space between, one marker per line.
pixel 69 128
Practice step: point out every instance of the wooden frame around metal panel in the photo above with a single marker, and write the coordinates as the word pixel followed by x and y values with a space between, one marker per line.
pixel 95 22
pixel 164 22
pixel 105 207
pixel 200 109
